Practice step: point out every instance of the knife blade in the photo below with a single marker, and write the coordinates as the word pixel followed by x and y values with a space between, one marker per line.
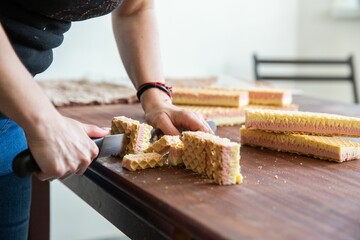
pixel 24 163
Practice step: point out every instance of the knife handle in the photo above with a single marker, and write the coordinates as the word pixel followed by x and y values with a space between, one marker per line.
pixel 24 164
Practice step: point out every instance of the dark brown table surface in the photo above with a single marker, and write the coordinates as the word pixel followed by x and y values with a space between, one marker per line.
pixel 284 196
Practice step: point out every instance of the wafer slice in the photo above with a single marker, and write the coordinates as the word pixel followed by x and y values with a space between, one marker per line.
pixel 329 148
pixel 222 116
pixel 175 154
pixel 229 116
pixel 217 158
pixel 122 124
pixel 303 122
pixel 139 138
pixel 162 145
pixel 209 97
pixel 138 134
pixel 133 162
pixel 268 96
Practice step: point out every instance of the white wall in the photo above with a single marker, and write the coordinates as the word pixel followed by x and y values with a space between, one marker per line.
pixel 202 37
pixel 320 35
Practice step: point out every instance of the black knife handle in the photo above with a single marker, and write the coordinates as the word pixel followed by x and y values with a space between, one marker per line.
pixel 24 164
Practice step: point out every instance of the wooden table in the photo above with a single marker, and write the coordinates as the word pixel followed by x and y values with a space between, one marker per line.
pixel 284 196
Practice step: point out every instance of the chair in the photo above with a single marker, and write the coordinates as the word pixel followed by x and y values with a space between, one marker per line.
pixel 326 78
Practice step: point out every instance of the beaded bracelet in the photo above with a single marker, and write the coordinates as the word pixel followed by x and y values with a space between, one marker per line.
pixel 159 85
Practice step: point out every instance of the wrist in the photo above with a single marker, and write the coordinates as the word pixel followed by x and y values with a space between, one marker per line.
pixel 42 122
pixel 159 85
pixel 154 97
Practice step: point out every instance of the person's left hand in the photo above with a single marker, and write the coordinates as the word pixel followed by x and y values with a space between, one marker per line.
pixel 162 114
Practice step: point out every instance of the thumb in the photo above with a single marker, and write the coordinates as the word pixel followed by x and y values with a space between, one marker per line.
pixel 94 131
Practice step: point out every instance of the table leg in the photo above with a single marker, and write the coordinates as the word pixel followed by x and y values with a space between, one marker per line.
pixel 39 227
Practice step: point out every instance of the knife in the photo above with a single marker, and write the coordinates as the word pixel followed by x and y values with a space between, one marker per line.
pixel 24 163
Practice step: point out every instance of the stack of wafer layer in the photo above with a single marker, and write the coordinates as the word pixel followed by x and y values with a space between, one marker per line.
pixel 226 106
pixel 304 133
pixel 212 156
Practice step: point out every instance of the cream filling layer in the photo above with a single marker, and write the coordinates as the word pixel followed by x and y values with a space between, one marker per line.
pixel 303 128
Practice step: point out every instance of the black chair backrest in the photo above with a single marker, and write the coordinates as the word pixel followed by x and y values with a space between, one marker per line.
pixel 347 62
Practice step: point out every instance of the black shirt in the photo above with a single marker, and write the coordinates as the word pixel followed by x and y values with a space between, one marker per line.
pixel 35 27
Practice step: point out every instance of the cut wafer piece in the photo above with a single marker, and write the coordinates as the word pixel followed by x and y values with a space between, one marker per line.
pixel 133 162
pixel 122 124
pixel 329 148
pixel 139 138
pixel 138 134
pixel 217 158
pixel 302 122
pixel 209 97
pixel 162 145
pixel 175 154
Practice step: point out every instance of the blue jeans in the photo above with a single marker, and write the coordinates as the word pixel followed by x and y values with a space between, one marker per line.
pixel 15 193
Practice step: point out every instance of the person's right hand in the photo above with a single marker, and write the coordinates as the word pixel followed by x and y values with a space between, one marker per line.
pixel 63 147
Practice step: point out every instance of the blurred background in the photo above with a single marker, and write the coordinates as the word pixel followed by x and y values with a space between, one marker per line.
pixel 212 38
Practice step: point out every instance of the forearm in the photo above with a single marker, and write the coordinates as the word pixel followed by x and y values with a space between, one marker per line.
pixel 21 99
pixel 136 35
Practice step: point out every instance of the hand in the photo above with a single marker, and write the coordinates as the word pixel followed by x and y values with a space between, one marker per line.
pixel 162 114
pixel 62 147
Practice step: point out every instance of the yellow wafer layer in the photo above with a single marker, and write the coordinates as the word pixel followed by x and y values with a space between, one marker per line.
pixel 330 148
pixel 217 158
pixel 140 161
pixel 302 122
pixel 208 97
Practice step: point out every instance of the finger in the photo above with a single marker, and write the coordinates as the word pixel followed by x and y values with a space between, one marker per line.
pixel 66 175
pixel 44 177
pixel 165 124
pixel 82 169
pixel 94 131
pixel 194 122
pixel 206 124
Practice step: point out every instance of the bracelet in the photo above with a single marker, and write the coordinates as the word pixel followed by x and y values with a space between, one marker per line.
pixel 158 85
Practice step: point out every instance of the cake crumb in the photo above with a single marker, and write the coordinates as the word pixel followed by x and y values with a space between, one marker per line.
pixel 166 187
pixel 301 163
pixel 259 167
pixel 158 179
pixel 276 176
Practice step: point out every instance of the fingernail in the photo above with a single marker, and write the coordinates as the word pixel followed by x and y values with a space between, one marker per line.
pixel 106 128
